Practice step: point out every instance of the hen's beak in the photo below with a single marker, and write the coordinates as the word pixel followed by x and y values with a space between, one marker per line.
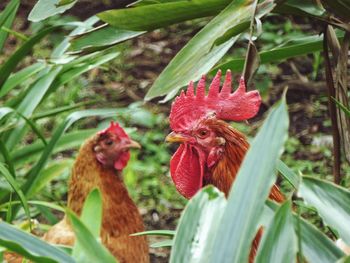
pixel 133 144
pixel 176 137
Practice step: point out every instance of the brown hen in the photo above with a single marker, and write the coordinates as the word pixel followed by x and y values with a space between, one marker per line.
pixel 99 163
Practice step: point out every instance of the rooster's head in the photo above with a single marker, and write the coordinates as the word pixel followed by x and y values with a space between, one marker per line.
pixel 112 147
pixel 196 121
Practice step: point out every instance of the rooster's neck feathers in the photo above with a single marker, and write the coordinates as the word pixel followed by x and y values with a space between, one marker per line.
pixel 224 173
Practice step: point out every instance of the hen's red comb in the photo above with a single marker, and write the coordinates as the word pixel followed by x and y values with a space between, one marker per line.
pixel 115 128
pixel 237 106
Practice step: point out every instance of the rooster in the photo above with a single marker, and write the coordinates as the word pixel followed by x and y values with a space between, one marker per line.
pixel 99 164
pixel 211 151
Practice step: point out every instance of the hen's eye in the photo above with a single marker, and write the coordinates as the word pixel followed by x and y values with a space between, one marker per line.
pixel 203 133
pixel 108 142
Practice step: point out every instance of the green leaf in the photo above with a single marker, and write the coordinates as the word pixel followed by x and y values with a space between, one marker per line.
pixel 100 38
pixel 288 174
pixel 6 19
pixel 12 181
pixel 91 217
pixel 169 233
pixel 279 240
pixel 46 8
pixel 48 174
pixel 331 201
pixel 197 226
pixel 200 54
pixel 30 102
pixel 164 243
pixel 150 17
pixel 71 140
pixel 93 249
pixel 290 49
pixel 21 76
pixel 342 107
pixel 72 69
pixel 250 190
pixel 30 246
pixel 12 62
pixel 316 246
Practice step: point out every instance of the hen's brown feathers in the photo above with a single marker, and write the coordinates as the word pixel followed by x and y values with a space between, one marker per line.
pixel 120 215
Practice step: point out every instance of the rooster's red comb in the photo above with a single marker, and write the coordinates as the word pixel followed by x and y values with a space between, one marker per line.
pixel 190 107
pixel 115 128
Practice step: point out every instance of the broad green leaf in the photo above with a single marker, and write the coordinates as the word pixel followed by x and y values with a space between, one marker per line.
pixel 12 181
pixel 100 38
pixel 197 227
pixel 6 19
pixel 250 190
pixel 150 17
pixel 21 76
pixel 288 174
pixel 279 240
pixel 46 8
pixel 200 54
pixel 316 246
pixel 20 53
pixel 93 249
pixel 30 246
pixel 331 201
pixel 169 233
pixel 290 49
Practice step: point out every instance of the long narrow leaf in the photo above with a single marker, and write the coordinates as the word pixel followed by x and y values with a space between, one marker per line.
pixel 21 76
pixel 46 8
pixel 6 19
pixel 16 188
pixel 12 62
pixel 30 246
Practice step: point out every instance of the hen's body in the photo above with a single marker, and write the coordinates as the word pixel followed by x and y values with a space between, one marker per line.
pixel 120 216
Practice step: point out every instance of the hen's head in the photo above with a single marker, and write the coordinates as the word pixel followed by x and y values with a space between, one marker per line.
pixel 112 147
pixel 197 121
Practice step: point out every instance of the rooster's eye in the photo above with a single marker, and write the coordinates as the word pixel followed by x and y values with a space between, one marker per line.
pixel 203 133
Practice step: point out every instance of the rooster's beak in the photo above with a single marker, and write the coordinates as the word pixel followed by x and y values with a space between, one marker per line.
pixel 133 144
pixel 176 137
